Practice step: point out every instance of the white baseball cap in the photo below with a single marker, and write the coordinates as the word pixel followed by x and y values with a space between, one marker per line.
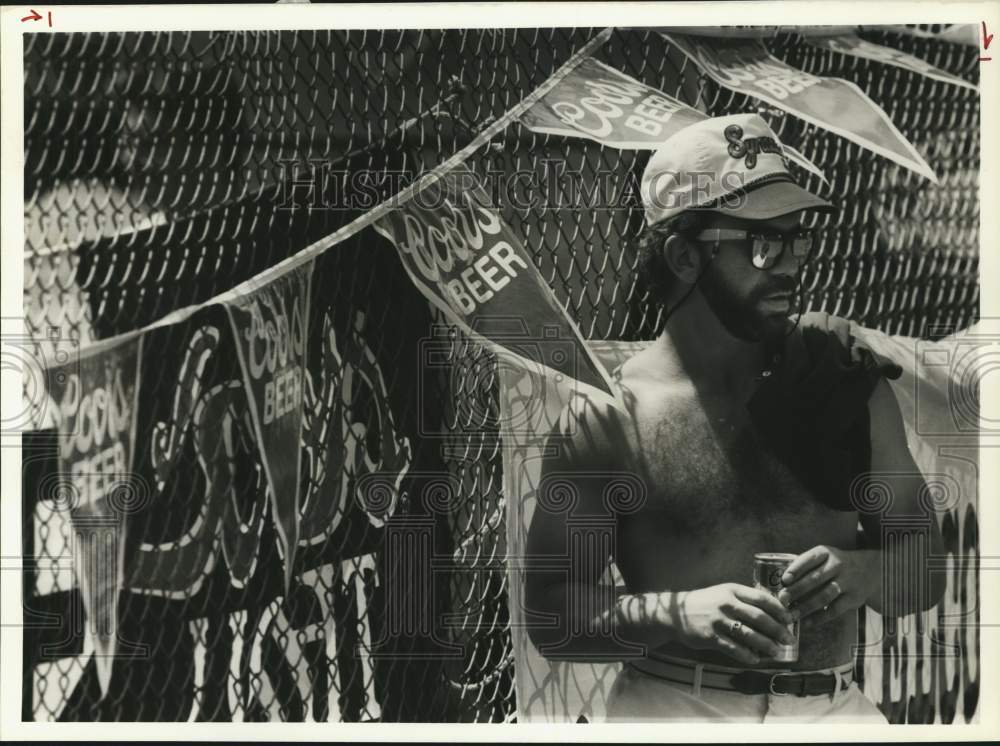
pixel 734 165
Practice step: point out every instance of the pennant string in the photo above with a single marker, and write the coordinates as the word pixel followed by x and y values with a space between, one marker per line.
pixel 379 211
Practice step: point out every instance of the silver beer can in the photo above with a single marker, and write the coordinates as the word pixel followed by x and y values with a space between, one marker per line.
pixel 768 567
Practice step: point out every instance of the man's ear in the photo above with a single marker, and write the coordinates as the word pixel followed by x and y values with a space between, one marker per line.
pixel 683 258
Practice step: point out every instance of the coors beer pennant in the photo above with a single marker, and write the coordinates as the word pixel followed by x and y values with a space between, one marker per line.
pixel 600 103
pixel 269 325
pixel 95 399
pixel 853 45
pixel 470 265
pixel 745 66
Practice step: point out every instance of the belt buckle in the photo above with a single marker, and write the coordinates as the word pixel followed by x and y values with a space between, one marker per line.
pixel 770 683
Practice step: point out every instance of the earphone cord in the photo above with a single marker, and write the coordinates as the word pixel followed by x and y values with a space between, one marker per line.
pixel 802 299
pixel 798 316
pixel 678 304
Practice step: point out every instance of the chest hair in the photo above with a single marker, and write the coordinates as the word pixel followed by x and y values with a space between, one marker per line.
pixel 707 467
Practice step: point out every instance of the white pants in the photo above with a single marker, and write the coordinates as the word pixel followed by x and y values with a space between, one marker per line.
pixel 639 697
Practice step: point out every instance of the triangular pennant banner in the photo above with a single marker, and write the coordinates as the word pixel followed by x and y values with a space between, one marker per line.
pixel 95 396
pixel 471 266
pixel 853 45
pixel 599 103
pixel 269 325
pixel 745 66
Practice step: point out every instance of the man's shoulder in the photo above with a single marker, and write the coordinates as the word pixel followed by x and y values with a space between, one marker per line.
pixel 589 430
pixel 585 412
pixel 651 376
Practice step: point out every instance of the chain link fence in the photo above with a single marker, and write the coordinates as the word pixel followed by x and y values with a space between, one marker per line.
pixel 162 169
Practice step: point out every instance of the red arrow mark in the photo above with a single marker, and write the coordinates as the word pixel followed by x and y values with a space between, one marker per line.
pixel 35 16
pixel 987 38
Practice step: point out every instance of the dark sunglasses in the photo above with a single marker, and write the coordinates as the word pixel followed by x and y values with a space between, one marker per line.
pixel 765 250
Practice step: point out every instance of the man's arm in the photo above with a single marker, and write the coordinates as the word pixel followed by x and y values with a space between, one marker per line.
pixel 564 569
pixel 892 578
pixel 572 615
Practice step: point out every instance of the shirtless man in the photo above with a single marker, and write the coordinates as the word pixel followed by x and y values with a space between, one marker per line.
pixel 727 467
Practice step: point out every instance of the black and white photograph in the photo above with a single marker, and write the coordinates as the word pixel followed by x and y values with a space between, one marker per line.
pixel 593 370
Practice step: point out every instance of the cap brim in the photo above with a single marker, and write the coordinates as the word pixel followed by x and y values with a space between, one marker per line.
pixel 772 200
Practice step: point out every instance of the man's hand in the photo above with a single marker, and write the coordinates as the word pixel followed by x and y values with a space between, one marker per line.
pixel 824 583
pixel 742 622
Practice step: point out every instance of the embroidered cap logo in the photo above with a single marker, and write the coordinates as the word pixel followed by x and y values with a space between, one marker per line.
pixel 738 147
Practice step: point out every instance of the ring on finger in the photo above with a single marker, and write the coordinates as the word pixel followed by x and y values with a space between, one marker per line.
pixel 836 586
pixel 735 627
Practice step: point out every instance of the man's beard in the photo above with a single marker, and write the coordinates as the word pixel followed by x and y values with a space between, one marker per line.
pixel 742 316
